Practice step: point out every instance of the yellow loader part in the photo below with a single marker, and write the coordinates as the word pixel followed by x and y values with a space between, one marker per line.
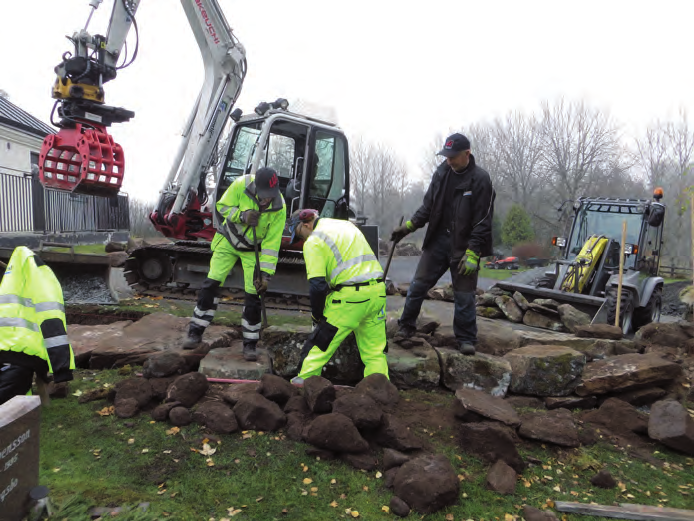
pixel 584 264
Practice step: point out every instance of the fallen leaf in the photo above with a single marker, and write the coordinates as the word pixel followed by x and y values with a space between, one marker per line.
pixel 207 450
pixel 449 517
pixel 622 486
pixel 314 489
pixel 57 469
pixel 210 463
pixel 365 488
pixel 307 481
pixel 333 481
pixel 161 491
pixel 145 451
pixel 174 494
pixel 106 411
pixel 526 483
pixel 259 499
pixel 379 475
pixel 77 393
pixel 304 492
pixel 343 496
pixel 173 431
pixel 557 489
pixel 385 509
pixel 354 513
pixel 509 517
pixel 461 477
pixel 333 504
pixel 166 452
pixel 246 436
pixel 131 441
pixel 305 469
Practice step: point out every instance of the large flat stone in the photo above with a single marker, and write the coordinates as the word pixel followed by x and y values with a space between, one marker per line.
pixel 484 405
pixel 545 370
pixel 149 335
pixel 594 349
pixel 625 372
pixel 495 337
pixel 417 367
pixel 228 363
pixel 85 339
pixel 487 373
pixel 555 426
pixel 284 344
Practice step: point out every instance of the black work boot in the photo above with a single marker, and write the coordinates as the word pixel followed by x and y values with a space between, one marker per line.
pixel 194 338
pixel 249 352
pixel 405 331
pixel 466 348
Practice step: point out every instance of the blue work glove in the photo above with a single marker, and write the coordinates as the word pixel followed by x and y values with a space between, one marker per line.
pixel 469 264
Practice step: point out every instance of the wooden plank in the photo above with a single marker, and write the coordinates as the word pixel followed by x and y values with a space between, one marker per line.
pixel 657 514
pixel 686 514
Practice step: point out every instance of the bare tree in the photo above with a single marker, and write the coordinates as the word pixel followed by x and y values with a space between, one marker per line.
pixel 578 141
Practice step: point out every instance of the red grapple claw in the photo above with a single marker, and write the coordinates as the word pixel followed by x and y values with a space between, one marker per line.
pixel 83 160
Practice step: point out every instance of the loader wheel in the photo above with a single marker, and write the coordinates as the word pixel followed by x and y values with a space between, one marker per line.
pixel 626 310
pixel 651 311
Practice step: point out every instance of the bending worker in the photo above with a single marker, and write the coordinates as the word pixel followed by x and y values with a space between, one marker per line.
pixel 251 202
pixel 347 293
pixel 33 336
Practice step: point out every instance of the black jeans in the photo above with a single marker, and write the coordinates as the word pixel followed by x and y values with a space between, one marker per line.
pixel 434 262
pixel 15 380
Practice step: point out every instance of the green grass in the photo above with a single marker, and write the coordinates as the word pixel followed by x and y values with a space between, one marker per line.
pixel 668 280
pixel 498 274
pixel 94 249
pixel 92 460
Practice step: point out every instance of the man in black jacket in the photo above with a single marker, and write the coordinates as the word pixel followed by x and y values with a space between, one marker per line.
pixel 459 206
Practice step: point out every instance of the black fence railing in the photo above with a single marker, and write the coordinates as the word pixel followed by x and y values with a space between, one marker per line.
pixel 26 206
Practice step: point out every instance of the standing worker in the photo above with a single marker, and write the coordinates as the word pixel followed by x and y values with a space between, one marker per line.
pixel 249 202
pixel 347 293
pixel 33 335
pixel 459 207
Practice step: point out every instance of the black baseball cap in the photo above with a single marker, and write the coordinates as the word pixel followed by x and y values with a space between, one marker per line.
pixel 454 145
pixel 267 184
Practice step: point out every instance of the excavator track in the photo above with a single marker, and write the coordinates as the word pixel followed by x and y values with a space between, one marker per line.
pixel 176 271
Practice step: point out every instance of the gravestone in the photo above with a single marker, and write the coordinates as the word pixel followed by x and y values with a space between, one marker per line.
pixel 20 421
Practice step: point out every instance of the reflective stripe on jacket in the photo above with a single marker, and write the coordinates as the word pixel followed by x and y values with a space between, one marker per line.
pixel 32 318
pixel 338 251
pixel 239 197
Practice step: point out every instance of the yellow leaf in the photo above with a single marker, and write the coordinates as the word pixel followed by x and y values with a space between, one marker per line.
pixel 378 475
pixel 333 481
pixel 308 481
pixel 622 486
pixel 314 489
pixel 161 491
pixel 210 463
pixel 630 496
pixel 526 483
pixel 145 451
pixel 366 489
pixel 174 494
pixel 304 492
pixel 461 477
pixel 246 436
pixel 106 411
pixel 166 452
pixel 557 489
pixel 173 431
pixel 77 393
pixel 57 469
pixel 131 441
pixel 354 513
pixel 549 503
pixel 385 509
pixel 305 469
pixel 573 493
pixel 508 517
pixel 258 500
pixel 333 504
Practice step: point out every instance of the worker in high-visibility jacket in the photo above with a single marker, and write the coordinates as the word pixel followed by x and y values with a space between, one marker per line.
pixel 347 293
pixel 251 202
pixel 33 335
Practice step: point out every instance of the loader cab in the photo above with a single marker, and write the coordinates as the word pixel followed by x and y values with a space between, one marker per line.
pixel 310 157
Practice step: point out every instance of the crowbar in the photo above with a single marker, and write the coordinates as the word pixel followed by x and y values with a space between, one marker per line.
pixel 390 255
pixel 257 267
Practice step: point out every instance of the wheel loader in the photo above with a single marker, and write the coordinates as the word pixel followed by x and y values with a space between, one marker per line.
pixel 586 273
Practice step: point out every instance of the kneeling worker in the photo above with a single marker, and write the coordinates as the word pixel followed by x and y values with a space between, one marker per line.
pixel 33 336
pixel 250 202
pixel 347 293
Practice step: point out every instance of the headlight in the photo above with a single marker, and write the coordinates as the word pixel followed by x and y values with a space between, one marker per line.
pixel 630 249
pixel 560 242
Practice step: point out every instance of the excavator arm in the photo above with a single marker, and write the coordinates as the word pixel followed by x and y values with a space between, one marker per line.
pixel 83 157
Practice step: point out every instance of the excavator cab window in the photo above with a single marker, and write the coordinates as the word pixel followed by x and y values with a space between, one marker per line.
pixel 328 166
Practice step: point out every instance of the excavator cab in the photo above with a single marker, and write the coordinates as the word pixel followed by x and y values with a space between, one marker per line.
pixel 309 155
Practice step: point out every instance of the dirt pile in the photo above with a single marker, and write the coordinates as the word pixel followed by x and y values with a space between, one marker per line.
pixel 671 300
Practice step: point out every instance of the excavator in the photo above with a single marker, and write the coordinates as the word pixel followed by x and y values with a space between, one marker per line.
pixel 219 144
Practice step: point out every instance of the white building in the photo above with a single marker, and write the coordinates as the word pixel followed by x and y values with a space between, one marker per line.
pixel 21 136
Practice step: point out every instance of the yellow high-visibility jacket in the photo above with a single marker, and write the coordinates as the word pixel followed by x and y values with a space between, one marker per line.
pixel 32 318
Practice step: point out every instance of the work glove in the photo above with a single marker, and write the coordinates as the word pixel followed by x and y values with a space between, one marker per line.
pixel 260 285
pixel 251 217
pixel 469 264
pixel 401 232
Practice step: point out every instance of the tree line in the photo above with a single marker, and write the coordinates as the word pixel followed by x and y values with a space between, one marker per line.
pixel 538 161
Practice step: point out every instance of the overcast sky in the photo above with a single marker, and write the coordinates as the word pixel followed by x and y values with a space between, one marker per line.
pixel 392 74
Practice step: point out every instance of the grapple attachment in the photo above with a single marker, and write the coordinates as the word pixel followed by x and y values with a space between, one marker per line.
pixel 83 160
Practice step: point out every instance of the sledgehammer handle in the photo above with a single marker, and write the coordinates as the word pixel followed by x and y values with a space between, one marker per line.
pixel 390 255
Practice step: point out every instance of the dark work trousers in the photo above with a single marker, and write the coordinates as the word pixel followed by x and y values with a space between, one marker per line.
pixel 15 380
pixel 434 262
